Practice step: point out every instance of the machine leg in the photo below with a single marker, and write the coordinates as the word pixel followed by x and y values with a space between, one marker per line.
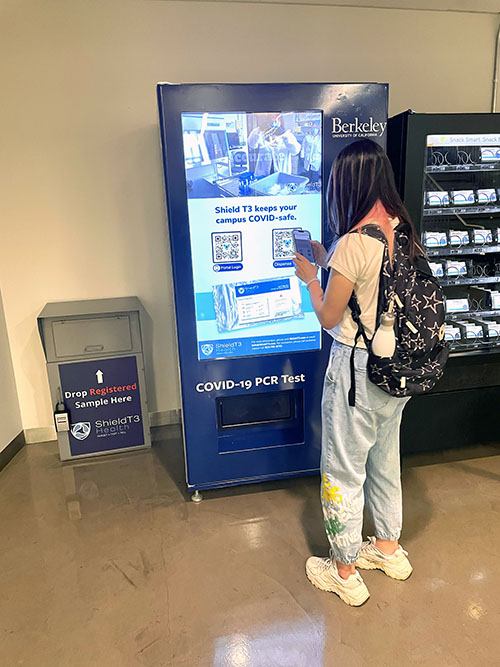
pixel 196 497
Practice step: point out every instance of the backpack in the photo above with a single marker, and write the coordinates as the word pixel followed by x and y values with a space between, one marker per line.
pixel 421 352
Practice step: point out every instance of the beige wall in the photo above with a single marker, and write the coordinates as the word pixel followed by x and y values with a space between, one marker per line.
pixel 10 415
pixel 81 201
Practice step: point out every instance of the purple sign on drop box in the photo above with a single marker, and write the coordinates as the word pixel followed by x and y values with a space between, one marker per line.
pixel 103 400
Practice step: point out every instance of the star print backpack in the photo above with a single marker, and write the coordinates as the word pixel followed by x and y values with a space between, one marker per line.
pixel 416 298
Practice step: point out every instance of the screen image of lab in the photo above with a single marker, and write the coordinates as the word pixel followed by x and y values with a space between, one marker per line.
pixel 252 154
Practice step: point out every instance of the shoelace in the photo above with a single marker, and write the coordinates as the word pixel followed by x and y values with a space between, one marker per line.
pixel 371 543
pixel 330 561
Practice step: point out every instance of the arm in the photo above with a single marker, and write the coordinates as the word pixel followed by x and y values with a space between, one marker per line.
pixel 291 143
pixel 330 305
pixel 255 138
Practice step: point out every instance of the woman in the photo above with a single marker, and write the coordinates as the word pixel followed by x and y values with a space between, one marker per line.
pixel 360 445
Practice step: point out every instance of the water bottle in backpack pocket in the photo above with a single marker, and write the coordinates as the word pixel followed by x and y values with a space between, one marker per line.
pixel 407 353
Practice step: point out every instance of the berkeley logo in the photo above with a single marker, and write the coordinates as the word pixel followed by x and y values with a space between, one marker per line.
pixel 207 349
pixel 369 128
pixel 81 430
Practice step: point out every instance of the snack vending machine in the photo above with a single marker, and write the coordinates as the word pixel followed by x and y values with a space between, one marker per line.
pixel 447 169
pixel 245 165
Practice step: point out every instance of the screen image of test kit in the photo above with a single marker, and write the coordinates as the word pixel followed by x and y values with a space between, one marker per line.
pixel 245 172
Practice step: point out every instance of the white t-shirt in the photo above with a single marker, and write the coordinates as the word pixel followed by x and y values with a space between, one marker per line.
pixel 358 257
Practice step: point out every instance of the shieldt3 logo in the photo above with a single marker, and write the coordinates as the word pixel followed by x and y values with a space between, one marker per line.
pixel 81 430
pixel 207 349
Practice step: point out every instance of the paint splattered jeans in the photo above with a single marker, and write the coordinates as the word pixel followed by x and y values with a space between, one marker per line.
pixel 360 456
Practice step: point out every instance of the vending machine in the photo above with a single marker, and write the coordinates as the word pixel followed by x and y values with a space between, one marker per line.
pixel 245 165
pixel 447 169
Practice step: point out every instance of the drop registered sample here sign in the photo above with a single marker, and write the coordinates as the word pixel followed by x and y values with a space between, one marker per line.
pixel 104 404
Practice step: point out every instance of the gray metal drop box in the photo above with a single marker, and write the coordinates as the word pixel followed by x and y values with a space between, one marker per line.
pixel 95 365
pixel 105 335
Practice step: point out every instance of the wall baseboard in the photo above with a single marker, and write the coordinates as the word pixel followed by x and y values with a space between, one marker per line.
pixel 48 433
pixel 15 446
pixel 43 434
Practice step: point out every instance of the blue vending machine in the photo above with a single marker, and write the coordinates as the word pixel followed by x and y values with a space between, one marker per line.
pixel 245 165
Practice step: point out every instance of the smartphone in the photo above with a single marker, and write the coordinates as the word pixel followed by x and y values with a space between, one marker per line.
pixel 302 240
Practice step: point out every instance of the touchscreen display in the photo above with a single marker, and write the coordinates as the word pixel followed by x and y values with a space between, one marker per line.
pixel 251 179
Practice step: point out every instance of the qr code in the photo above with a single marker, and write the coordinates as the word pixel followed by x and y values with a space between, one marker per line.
pixel 283 245
pixel 226 247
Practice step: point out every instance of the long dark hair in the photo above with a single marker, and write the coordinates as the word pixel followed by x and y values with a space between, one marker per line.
pixel 360 176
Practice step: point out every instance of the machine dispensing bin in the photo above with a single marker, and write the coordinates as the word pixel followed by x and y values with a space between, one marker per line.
pixel 95 366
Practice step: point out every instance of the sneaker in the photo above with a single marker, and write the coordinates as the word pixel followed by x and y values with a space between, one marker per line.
pixel 322 573
pixel 396 565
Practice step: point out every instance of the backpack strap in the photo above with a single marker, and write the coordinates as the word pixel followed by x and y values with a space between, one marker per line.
pixel 374 231
pixel 356 316
pixel 371 229
pixel 353 304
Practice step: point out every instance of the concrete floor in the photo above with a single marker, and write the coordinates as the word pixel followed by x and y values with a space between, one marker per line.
pixel 106 563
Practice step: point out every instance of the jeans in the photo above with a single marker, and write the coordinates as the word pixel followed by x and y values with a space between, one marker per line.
pixel 360 461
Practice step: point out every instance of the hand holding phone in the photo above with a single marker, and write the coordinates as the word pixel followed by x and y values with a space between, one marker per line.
pixel 302 241
pixel 320 254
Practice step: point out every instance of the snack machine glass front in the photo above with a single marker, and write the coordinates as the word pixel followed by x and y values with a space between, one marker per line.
pixel 459 222
pixel 447 169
